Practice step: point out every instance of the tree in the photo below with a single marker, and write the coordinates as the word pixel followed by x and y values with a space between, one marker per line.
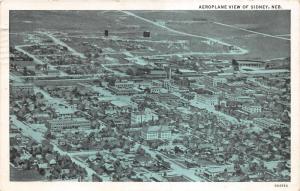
pixel 111 81
pixel 129 72
pixel 42 172
pixel 140 151
pixel 177 149
pixel 158 157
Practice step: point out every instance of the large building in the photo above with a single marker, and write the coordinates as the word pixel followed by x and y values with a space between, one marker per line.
pixel 248 64
pixel 156 133
pixel 70 123
pixel 141 117
pixel 123 88
pixel 156 86
pixel 211 100
pixel 252 108
pixel 266 123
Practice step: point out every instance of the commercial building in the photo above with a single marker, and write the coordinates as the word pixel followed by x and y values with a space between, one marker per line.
pixel 65 124
pixel 123 88
pixel 156 132
pixel 252 108
pixel 143 116
pixel 157 73
pixel 252 64
pixel 211 100
pixel 266 123
pixel 186 72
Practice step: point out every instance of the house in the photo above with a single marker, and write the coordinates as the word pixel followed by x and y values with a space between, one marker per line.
pixel 219 170
pixel 41 116
pixel 43 166
pixel 156 132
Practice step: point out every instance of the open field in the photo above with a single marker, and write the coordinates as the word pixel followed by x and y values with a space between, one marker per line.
pixel 209 24
pixel 120 25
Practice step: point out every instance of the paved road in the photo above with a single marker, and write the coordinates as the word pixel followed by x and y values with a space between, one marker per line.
pixel 251 31
pixel 58 41
pixel 37 60
pixel 177 169
pixel 194 53
pixel 210 109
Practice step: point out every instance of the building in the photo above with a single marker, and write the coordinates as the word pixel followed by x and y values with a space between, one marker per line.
pixel 146 34
pixel 266 123
pixel 124 84
pixel 252 108
pixel 210 81
pixel 143 116
pixel 17 89
pixel 52 73
pixel 157 73
pixel 163 97
pixel 123 88
pixel 186 72
pixel 156 132
pixel 211 100
pixel 40 117
pixel 64 112
pixel 65 124
pixel 169 85
pixel 249 64
pixel 156 87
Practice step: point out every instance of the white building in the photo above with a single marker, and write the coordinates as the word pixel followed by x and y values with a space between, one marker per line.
pixel 252 108
pixel 124 84
pixel 141 117
pixel 156 132
pixel 211 100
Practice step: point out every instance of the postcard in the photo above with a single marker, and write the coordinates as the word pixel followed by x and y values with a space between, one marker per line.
pixel 161 95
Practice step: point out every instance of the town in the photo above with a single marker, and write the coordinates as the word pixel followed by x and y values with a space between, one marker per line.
pixel 142 99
